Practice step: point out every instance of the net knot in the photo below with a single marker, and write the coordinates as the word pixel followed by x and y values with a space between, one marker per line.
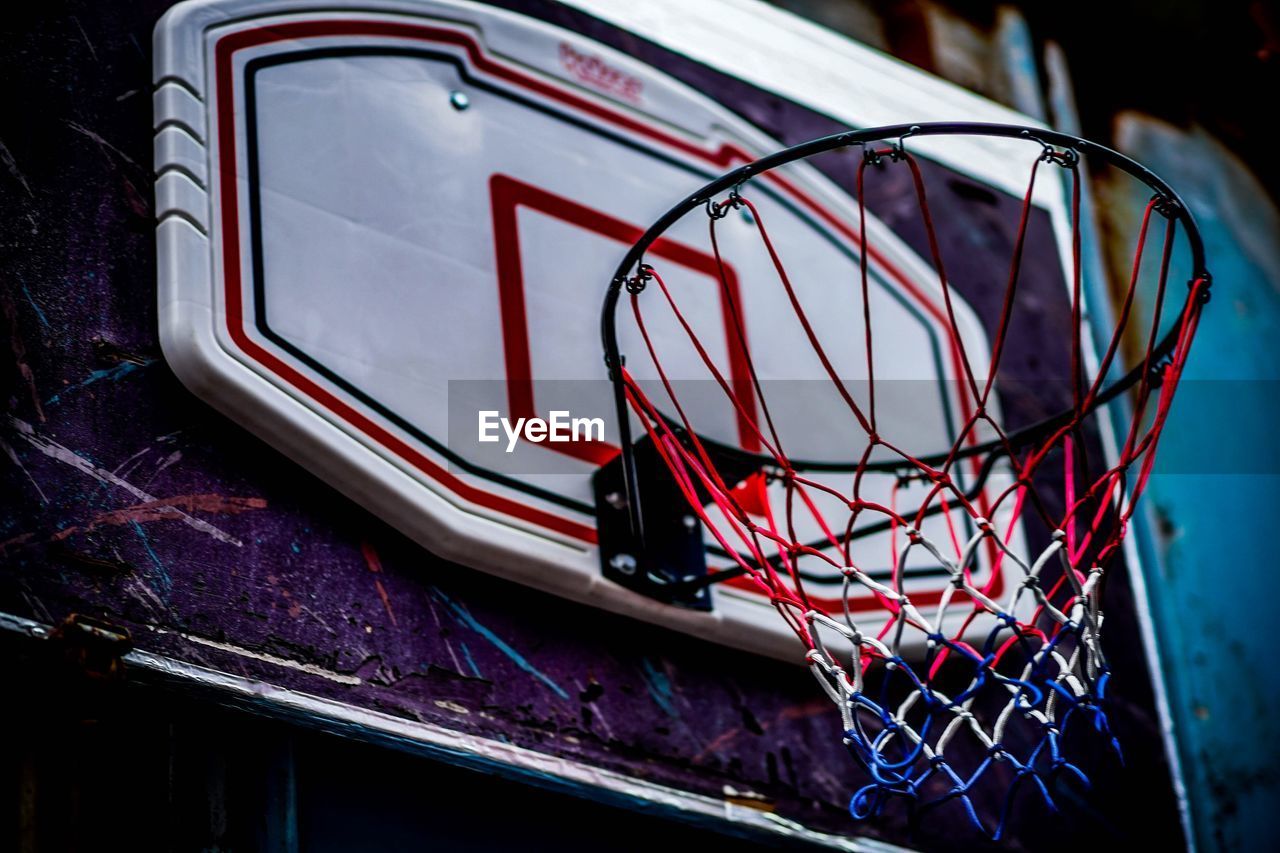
pixel 720 209
pixel 1068 158
pixel 874 156
pixel 1201 287
pixel 636 284
pixel 1164 205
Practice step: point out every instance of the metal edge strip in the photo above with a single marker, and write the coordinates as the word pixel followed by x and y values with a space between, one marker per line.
pixel 471 751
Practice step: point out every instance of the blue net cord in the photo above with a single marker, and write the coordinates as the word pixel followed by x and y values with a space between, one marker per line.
pixel 1012 697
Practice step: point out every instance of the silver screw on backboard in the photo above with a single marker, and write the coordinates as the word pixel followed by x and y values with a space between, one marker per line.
pixel 624 563
pixel 459 100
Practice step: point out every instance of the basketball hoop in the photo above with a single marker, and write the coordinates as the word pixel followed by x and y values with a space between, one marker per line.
pixel 1010 670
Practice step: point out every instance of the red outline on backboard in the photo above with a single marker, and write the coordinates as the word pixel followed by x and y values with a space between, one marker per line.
pixel 508 195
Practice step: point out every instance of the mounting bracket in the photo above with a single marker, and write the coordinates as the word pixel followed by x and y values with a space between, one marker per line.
pixel 664 559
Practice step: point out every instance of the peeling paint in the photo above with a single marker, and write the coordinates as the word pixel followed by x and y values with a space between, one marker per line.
pixel 69 457
pixel 375 566
pixel 659 687
pixel 274 660
pixel 110 374
pixel 464 616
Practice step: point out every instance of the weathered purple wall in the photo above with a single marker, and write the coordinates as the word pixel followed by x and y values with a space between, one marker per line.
pixel 126 498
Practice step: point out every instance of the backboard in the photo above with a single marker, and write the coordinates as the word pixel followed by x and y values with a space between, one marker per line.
pixel 399 221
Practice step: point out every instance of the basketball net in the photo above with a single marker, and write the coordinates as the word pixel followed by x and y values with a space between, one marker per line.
pixel 1012 672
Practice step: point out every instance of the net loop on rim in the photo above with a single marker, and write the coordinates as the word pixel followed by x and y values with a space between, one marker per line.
pixel 1013 671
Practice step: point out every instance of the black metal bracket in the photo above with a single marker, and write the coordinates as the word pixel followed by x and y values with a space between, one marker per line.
pixel 666 557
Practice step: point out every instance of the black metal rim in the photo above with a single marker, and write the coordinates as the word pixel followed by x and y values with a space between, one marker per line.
pixel 699 198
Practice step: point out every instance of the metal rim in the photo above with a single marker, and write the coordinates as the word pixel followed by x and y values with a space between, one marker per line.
pixel 1176 209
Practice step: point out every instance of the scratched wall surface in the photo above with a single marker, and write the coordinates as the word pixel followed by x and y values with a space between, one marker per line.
pixel 126 498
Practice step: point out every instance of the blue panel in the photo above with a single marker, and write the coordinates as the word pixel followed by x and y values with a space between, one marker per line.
pixel 1212 583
